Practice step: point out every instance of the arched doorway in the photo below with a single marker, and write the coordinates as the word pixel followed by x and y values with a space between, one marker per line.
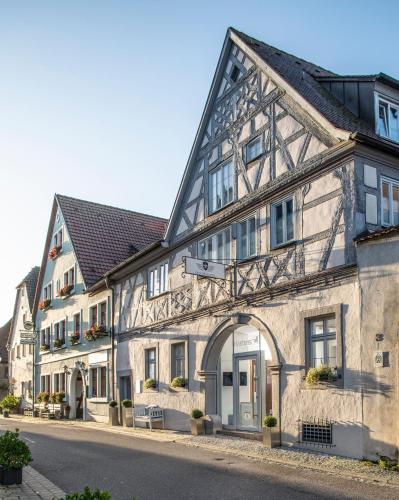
pixel 77 393
pixel 241 369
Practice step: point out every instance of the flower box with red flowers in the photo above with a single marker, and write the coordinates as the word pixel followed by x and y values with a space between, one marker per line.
pixel 54 252
pixel 44 304
pixel 75 337
pixel 65 291
pixel 95 332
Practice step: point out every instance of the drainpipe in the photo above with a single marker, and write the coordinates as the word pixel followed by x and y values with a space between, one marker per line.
pixel 109 287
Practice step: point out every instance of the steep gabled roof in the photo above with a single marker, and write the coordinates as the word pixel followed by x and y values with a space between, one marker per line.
pixel 30 281
pixel 103 236
pixel 303 77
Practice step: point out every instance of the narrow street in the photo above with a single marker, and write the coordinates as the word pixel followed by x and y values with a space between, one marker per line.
pixel 128 467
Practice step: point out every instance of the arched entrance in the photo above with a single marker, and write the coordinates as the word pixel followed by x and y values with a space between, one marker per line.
pixel 77 393
pixel 241 369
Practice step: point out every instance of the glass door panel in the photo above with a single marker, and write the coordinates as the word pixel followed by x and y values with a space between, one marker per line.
pixel 247 397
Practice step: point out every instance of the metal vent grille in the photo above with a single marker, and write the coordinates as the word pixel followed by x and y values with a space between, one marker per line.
pixel 317 432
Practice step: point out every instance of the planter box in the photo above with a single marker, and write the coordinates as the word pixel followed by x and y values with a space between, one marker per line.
pixel 197 426
pixel 271 437
pixel 113 415
pixel 8 477
pixel 127 417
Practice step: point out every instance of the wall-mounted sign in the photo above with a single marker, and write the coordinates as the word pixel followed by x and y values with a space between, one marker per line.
pixel 27 334
pixel 204 268
pixel 28 325
pixel 31 341
pixel 378 359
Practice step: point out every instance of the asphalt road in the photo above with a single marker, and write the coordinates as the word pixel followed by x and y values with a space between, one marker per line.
pixel 128 467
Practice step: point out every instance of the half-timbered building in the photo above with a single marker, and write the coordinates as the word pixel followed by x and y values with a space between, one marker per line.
pixel 290 163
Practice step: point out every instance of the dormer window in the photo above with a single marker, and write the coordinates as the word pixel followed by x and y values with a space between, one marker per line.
pixel 388 120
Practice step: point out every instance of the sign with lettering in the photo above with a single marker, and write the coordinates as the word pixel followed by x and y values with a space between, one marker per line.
pixel 205 268
pixel 27 334
pixel 27 341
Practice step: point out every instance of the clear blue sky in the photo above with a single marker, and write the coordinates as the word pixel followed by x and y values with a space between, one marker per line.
pixel 101 99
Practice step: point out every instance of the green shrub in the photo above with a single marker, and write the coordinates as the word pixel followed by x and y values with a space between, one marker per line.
pixel 10 402
pixel 57 397
pixel 88 494
pixel 58 343
pixel 178 382
pixel 150 384
pixel 113 403
pixel 127 403
pixel 269 421
pixel 43 397
pixel 14 453
pixel 196 413
pixel 322 373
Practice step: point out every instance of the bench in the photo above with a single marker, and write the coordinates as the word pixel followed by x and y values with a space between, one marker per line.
pixel 56 410
pixel 148 415
pixel 28 411
pixel 41 410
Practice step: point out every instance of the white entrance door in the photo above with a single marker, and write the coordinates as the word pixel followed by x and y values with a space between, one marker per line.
pixel 247 396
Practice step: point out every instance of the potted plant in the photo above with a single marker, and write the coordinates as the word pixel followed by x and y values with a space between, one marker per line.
pixel 127 413
pixel 197 422
pixel 6 412
pixel 75 337
pixel 67 411
pixel 320 374
pixel 271 437
pixel 65 291
pixel 150 383
pixel 54 252
pixel 14 455
pixel 89 335
pixel 113 413
pixel 43 397
pixel 10 403
pixel 58 343
pixel 45 347
pixel 44 304
pixel 179 383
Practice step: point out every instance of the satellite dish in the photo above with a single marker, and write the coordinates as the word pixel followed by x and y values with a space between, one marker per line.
pixel 28 325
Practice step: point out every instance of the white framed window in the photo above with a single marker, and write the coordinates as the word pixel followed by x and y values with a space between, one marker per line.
pixel 45 334
pixel 178 353
pixel 60 331
pixel 69 277
pixel 58 239
pixel 98 381
pixel 77 324
pixel 150 363
pixel 59 384
pixel 389 202
pixel 45 383
pixel 246 238
pixel 217 247
pixel 253 149
pixel 323 342
pixel 387 119
pixel 282 228
pixel 48 292
pixel 157 280
pixel 221 187
pixel 98 315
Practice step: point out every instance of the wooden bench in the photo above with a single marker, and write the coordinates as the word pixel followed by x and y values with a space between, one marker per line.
pixel 28 411
pixel 56 410
pixel 148 415
pixel 41 410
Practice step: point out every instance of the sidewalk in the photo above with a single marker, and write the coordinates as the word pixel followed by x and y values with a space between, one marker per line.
pixel 34 487
pixel 290 456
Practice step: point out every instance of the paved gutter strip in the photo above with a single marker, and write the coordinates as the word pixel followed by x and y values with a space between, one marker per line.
pixel 287 456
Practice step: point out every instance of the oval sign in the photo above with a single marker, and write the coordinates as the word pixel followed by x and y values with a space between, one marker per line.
pixel 28 325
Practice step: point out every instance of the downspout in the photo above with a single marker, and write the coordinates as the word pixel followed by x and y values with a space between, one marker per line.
pixel 109 287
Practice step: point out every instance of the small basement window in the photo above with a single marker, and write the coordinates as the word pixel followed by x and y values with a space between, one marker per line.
pixel 316 432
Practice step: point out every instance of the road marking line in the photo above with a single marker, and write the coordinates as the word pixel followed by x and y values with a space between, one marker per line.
pixel 30 440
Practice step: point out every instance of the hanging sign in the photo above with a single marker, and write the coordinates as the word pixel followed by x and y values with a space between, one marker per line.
pixel 204 268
